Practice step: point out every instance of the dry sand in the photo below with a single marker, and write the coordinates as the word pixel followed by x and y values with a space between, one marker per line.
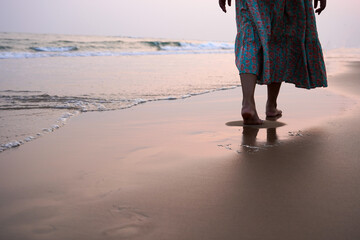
pixel 176 170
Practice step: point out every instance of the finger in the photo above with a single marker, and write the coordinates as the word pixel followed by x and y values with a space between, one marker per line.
pixel 323 5
pixel 316 3
pixel 222 5
pixel 318 11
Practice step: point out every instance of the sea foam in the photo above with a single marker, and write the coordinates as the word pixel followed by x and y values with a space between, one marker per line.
pixel 19 55
pixel 108 46
pixel 54 49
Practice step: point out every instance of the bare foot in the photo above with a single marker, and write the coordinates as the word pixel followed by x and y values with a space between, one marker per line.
pixel 272 111
pixel 273 118
pixel 275 113
pixel 250 117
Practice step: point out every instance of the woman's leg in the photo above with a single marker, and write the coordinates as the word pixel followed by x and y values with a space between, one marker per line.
pixel 271 104
pixel 248 111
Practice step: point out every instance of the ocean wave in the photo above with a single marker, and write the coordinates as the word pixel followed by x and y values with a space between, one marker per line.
pixel 90 47
pixel 19 55
pixel 63 41
pixel 54 49
pixel 165 48
pixel 352 54
pixel 198 46
pixel 5 47
pixel 83 103
pixel 73 106
pixel 161 44
pixel 19 91
pixel 46 101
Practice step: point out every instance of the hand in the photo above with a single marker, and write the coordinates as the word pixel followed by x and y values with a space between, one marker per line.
pixel 222 4
pixel 322 6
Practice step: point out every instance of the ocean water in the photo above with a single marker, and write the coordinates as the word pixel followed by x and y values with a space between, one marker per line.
pixel 17 46
pixel 47 79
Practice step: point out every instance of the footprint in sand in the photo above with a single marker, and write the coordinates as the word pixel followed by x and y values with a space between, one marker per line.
pixel 32 215
pixel 44 229
pixel 124 232
pixel 132 222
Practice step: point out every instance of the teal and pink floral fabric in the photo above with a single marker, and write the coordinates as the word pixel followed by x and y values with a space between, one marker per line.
pixel 277 40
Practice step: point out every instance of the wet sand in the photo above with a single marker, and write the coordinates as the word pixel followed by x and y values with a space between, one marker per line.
pixel 179 170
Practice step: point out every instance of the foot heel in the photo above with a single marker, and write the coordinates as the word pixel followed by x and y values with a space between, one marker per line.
pixel 247 116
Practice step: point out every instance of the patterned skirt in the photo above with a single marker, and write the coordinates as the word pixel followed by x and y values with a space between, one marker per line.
pixel 277 40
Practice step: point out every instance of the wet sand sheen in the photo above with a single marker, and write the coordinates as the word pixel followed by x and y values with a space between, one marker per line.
pixel 174 170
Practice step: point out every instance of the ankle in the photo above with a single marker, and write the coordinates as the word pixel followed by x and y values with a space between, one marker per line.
pixel 271 104
pixel 248 103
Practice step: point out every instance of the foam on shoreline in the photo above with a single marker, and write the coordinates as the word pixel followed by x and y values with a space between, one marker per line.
pixel 57 125
pixel 78 107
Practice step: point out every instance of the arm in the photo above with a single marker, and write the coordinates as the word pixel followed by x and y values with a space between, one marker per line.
pixel 222 4
pixel 322 6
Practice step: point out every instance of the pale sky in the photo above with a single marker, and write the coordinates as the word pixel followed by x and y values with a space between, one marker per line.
pixel 338 25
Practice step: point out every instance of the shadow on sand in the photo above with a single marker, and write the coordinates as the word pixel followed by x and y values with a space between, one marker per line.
pixel 250 142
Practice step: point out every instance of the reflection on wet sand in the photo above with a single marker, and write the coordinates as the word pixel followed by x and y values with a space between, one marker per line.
pixel 250 140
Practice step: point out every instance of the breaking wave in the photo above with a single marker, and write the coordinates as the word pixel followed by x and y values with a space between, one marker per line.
pixel 87 47
pixel 54 49
pixel 22 100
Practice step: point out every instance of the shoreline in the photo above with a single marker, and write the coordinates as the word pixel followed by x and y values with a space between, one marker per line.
pixel 337 97
pixel 175 170
pixel 65 116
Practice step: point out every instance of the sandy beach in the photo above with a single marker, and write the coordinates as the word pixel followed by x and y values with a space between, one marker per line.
pixel 187 169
